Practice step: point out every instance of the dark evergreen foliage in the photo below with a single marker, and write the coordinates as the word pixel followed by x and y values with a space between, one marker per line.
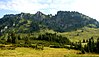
pixel 54 38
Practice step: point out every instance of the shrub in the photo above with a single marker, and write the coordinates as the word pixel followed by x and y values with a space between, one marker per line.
pixel 39 47
pixel 55 46
pixel 7 47
pixel 33 45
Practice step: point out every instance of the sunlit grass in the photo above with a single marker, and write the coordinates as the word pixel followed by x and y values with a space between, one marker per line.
pixel 47 52
pixel 77 35
pixel 29 52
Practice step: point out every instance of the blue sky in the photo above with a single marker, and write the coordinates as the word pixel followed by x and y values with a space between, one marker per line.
pixel 87 7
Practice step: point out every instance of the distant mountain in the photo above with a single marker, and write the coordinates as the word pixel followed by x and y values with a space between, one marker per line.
pixel 61 22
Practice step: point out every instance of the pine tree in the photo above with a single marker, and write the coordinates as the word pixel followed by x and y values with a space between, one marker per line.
pixel 97 45
pixel 27 40
pixel 13 37
pixel 84 41
pixel 80 45
pixel 91 45
pixel 16 40
pixel 9 40
pixel 82 51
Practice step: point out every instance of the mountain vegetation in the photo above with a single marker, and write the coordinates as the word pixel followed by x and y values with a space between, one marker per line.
pixel 61 22
pixel 66 29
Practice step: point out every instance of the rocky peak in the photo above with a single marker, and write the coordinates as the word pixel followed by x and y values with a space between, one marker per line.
pixel 39 13
pixel 39 16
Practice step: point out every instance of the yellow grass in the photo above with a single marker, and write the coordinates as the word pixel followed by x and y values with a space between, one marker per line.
pixel 47 52
pixel 29 52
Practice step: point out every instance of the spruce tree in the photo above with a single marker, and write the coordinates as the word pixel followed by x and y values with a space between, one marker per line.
pixel 80 45
pixel 97 45
pixel 13 37
pixel 91 45
pixel 9 40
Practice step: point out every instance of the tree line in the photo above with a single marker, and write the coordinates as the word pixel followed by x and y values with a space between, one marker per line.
pixel 90 47
pixel 13 38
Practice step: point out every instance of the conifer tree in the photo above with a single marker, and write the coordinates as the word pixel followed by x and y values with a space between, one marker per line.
pixel 97 45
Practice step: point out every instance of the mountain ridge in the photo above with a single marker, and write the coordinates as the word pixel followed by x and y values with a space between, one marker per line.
pixel 61 22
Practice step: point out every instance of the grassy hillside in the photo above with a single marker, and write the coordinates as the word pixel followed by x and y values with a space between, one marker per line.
pixel 74 36
pixel 80 34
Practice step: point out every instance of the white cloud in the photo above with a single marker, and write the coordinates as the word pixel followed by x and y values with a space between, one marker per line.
pixel 30 6
pixel 34 5
pixel 88 7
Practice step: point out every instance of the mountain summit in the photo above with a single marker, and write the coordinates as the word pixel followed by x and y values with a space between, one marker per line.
pixel 63 21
